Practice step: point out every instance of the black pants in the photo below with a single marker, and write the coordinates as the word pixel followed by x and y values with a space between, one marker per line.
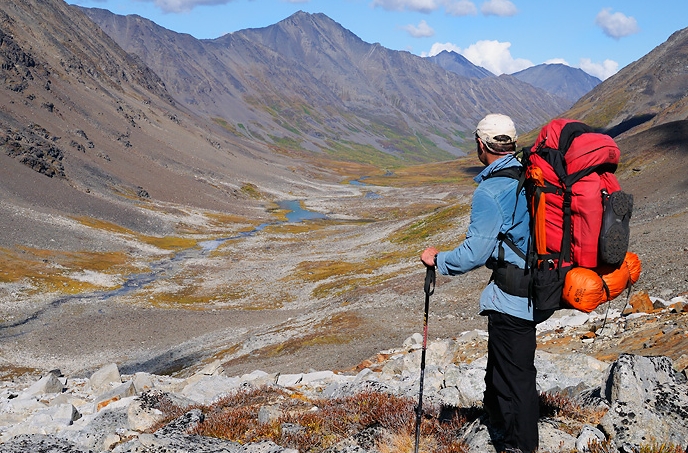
pixel 511 396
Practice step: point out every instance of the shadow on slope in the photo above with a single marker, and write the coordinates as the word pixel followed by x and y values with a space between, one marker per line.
pixel 653 164
pixel 629 124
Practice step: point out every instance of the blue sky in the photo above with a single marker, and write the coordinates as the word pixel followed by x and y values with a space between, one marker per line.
pixel 504 36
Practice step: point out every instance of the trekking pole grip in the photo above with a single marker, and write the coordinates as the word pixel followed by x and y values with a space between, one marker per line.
pixel 429 280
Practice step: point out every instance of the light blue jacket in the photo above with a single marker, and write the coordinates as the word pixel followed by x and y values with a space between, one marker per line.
pixel 494 208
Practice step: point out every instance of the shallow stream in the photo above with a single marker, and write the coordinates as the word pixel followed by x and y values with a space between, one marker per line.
pixel 167 267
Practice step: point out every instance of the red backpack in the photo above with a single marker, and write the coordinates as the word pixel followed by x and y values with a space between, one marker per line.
pixel 579 215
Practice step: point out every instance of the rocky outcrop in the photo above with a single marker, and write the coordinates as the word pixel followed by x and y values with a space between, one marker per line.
pixel 15 64
pixel 645 400
pixel 36 148
pixel 648 402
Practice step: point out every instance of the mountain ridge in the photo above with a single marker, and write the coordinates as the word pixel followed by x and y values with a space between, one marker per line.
pixel 640 95
pixel 458 64
pixel 349 87
pixel 567 82
pixel 79 108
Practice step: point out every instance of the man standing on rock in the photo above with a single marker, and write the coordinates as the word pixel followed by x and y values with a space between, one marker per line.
pixel 500 216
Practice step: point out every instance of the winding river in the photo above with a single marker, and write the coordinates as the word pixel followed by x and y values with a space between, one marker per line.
pixel 169 266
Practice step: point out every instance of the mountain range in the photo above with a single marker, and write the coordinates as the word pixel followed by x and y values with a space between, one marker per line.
pixel 558 79
pixel 127 108
pixel 309 83
pixel 570 83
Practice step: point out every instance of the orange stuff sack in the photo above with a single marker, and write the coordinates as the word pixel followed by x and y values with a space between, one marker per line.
pixel 585 289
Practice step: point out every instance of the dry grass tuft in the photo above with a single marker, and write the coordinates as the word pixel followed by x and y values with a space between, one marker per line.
pixel 571 413
pixel 164 242
pixel 657 447
pixel 41 270
pixel 313 425
pixel 441 219
pixel 10 372
pixel 608 446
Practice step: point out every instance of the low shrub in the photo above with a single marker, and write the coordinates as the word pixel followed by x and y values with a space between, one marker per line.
pixel 313 425
pixel 376 420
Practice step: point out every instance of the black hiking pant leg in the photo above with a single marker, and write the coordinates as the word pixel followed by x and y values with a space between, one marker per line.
pixel 510 379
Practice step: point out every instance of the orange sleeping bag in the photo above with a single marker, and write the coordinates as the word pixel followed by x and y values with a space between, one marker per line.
pixel 585 289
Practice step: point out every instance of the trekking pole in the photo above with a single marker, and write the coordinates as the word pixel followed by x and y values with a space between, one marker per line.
pixel 429 289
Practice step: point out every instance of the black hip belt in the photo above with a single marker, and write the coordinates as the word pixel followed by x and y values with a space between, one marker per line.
pixel 510 278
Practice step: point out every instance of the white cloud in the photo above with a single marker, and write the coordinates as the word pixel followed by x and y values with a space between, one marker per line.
pixel 422 6
pixel 422 30
pixel 616 25
pixel 451 7
pixel 495 56
pixel 461 8
pixel 557 61
pixel 498 8
pixel 180 6
pixel 439 47
pixel 602 70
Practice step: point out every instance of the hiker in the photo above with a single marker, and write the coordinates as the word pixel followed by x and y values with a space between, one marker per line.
pixel 511 399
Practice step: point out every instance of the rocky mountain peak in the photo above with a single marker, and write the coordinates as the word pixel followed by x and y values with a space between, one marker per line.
pixel 458 64
pixel 303 37
pixel 565 81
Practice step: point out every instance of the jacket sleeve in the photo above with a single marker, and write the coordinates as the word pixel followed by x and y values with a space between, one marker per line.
pixel 481 238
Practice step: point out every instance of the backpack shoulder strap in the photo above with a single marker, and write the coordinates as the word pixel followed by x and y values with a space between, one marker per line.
pixel 514 172
pixel 518 173
pixel 508 277
pixel 506 240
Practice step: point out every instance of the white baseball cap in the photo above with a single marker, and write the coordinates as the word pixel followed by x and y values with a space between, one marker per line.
pixel 496 128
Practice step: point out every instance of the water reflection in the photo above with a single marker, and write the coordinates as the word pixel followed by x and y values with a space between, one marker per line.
pixel 367 194
pixel 296 213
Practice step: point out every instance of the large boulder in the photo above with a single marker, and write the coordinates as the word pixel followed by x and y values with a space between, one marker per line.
pixel 648 402
pixel 105 378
